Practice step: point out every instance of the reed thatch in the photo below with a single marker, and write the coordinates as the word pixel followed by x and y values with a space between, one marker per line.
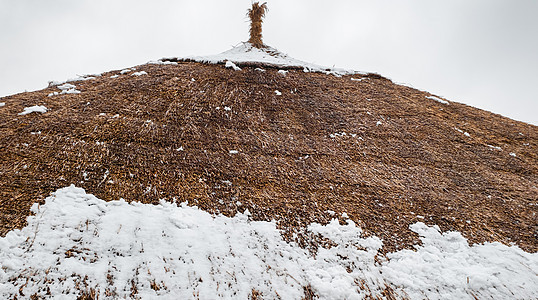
pixel 380 152
pixel 256 15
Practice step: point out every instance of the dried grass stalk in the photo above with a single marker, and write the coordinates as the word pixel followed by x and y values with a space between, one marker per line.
pixel 256 15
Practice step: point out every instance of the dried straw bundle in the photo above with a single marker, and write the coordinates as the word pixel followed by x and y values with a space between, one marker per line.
pixel 256 15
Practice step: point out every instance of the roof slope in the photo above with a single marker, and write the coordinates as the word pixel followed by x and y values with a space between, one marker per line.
pixel 293 146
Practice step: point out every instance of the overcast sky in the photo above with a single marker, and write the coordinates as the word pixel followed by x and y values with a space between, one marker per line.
pixel 481 52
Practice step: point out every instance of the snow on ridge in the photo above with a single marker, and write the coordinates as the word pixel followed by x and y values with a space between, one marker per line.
pixel 175 252
pixel 78 78
pixel 437 99
pixel 125 71
pixel 162 62
pixel 245 53
pixel 230 64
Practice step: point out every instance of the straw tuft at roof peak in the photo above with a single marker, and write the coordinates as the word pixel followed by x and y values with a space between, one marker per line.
pixel 256 15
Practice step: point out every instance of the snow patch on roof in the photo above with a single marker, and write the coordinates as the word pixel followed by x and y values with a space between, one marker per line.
pixel 35 108
pixel 495 148
pixel 66 88
pixel 230 64
pixel 437 99
pixel 245 53
pixel 173 251
pixel 79 78
pixel 139 73
pixel 162 62
pixel 445 266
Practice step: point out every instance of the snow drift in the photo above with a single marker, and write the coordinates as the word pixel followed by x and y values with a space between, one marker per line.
pixel 76 242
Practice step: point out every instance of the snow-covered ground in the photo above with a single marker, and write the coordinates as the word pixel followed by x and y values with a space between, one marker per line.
pixel 77 242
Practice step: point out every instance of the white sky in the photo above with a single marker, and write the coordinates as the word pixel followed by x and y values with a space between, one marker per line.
pixel 482 52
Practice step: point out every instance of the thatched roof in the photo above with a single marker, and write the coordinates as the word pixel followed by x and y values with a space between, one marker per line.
pixel 293 147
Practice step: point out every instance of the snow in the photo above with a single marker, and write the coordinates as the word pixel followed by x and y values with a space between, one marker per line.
pixel 181 249
pixel 73 91
pixel 233 151
pixel 65 88
pixel 465 133
pixel 337 134
pixel 2 104
pixel 78 78
pixel 124 71
pixel 230 64
pixel 445 266
pixel 76 239
pixel 160 62
pixel 114 76
pixel 139 73
pixel 35 108
pixel 378 123
pixel 246 53
pixel 513 154
pixel 437 99
pixel 278 93
pixel 343 134
pixel 283 72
